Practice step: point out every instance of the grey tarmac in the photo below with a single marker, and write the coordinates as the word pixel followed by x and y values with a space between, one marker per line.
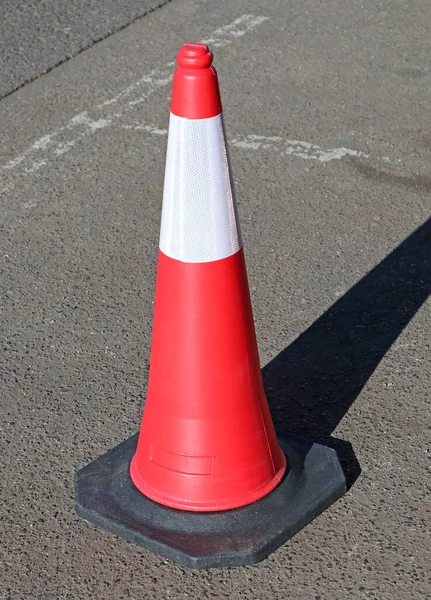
pixel 328 113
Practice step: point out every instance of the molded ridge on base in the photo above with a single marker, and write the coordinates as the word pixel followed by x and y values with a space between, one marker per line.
pixel 107 497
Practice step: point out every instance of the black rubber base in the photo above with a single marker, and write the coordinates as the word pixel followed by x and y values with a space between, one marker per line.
pixel 106 496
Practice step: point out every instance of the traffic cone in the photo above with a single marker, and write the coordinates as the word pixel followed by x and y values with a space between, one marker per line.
pixel 206 483
pixel 207 441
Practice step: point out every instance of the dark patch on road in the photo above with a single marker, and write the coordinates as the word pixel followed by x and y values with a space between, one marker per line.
pixel 419 181
pixel 411 73
pixel 424 139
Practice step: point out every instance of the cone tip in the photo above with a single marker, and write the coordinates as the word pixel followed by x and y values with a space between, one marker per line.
pixel 194 56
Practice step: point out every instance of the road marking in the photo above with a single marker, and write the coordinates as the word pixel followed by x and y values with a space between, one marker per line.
pixel 222 37
pixel 59 141
pixel 298 148
pixel 148 128
pixel 284 146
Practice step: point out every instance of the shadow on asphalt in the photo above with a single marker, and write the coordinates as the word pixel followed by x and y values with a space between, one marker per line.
pixel 313 382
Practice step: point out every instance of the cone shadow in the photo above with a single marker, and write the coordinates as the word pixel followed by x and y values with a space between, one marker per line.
pixel 313 382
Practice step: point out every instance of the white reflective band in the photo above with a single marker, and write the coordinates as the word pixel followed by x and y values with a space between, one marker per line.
pixel 199 216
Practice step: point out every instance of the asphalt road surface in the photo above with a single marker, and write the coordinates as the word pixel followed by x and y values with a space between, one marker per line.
pixel 37 36
pixel 328 114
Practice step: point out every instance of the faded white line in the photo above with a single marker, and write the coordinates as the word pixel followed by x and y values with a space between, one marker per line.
pixel 61 140
pixel 284 146
pixel 148 128
pixel 157 78
pixel 236 29
pixel 298 148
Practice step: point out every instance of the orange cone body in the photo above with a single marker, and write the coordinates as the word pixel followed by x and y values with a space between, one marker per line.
pixel 207 441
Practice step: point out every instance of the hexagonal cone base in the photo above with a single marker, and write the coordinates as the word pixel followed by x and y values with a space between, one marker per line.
pixel 106 496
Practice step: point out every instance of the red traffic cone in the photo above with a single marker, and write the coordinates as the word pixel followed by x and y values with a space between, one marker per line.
pixel 207 441
pixel 206 484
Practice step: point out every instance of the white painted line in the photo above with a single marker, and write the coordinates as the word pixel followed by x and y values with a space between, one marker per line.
pixel 221 37
pixel 59 141
pixel 148 128
pixel 299 148
pixel 284 146
pixel 156 78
